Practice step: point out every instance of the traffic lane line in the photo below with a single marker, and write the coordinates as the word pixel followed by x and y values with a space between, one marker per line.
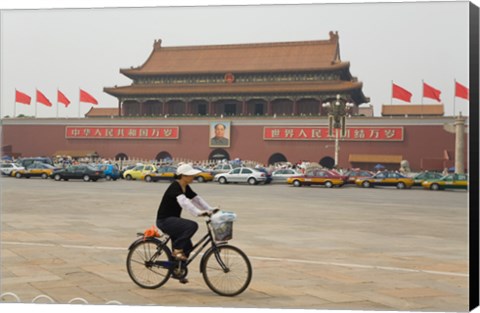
pixel 349 265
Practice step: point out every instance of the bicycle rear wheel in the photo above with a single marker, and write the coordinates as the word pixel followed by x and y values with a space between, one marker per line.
pixel 149 264
pixel 226 270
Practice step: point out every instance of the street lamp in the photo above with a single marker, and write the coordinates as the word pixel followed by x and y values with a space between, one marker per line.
pixel 337 120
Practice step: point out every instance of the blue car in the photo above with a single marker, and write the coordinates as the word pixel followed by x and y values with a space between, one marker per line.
pixel 111 171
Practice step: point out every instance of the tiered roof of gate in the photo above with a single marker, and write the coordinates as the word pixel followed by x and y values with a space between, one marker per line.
pixel 301 67
pixel 241 58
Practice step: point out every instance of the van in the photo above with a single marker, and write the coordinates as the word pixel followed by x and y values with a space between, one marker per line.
pixel 25 162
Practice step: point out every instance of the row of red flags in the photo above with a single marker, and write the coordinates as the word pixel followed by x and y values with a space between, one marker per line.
pixel 397 93
pixel 428 92
pixel 22 97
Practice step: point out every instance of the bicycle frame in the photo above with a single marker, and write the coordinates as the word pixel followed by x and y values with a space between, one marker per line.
pixel 199 246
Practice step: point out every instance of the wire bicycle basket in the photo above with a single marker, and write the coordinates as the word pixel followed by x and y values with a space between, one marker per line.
pixel 222 231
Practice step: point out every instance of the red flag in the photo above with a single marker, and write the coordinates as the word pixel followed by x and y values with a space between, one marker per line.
pixel 85 97
pixel 22 97
pixel 62 99
pixel 430 92
pixel 42 99
pixel 461 91
pixel 400 93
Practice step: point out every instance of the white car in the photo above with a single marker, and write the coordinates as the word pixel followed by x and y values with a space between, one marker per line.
pixel 241 175
pixel 222 168
pixel 8 168
pixel 281 176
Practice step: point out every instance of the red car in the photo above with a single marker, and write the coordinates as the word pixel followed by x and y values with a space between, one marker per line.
pixel 353 175
pixel 334 172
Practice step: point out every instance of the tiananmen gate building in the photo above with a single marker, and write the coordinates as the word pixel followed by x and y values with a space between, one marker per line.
pixel 268 99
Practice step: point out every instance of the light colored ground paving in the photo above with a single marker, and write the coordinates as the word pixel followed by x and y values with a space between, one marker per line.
pixel 310 248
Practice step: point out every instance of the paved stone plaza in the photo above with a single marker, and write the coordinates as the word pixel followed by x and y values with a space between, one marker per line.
pixel 310 247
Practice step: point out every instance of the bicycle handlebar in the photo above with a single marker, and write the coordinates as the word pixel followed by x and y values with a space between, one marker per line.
pixel 209 216
pixel 210 213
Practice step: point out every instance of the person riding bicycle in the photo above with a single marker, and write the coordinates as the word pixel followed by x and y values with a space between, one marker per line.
pixel 180 196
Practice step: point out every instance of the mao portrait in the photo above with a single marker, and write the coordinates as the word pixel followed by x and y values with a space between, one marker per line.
pixel 220 134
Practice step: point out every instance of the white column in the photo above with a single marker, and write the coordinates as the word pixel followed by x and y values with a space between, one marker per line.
pixel 459 144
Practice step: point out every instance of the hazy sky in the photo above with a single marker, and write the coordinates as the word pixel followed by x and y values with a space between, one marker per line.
pixel 85 48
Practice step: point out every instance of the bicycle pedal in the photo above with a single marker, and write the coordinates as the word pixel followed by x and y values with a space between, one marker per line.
pixel 183 280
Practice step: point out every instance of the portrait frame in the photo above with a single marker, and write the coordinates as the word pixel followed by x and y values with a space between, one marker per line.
pixel 219 143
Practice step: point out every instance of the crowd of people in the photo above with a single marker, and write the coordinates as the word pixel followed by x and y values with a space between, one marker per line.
pixel 301 166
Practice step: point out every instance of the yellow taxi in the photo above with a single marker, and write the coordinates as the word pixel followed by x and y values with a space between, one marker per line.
pixel 168 173
pixel 160 173
pixel 318 177
pixel 36 169
pixel 450 181
pixel 204 176
pixel 139 171
pixel 386 178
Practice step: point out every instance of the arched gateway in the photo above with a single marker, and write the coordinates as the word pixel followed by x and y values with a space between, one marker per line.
pixel 219 155
pixel 121 156
pixel 162 156
pixel 327 162
pixel 277 157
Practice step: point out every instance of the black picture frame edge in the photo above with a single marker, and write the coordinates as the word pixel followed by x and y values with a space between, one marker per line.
pixel 474 157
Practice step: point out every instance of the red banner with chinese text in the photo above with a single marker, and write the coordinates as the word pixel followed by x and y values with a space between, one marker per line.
pixel 321 133
pixel 87 132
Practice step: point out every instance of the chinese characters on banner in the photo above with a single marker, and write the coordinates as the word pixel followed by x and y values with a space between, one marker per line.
pixel 87 132
pixel 269 133
pixel 321 133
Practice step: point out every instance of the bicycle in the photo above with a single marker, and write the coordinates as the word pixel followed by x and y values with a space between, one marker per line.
pixel 225 268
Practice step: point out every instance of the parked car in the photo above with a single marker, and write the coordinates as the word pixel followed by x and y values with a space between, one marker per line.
pixel 161 173
pixel 111 171
pixel 126 168
pixel 386 178
pixel 139 171
pixel 419 178
pixel 8 168
pixel 36 169
pixel 353 175
pixel 337 173
pixel 204 169
pixel 241 175
pixel 223 168
pixel 450 181
pixel 85 172
pixel 25 162
pixel 281 175
pixel 317 177
pixel 204 176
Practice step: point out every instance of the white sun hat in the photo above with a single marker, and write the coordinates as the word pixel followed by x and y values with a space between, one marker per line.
pixel 187 169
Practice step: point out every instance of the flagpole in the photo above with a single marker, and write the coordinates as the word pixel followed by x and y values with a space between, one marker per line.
pixel 391 95
pixel 423 91
pixel 454 94
pixel 57 102
pixel 35 102
pixel 15 105
pixel 78 102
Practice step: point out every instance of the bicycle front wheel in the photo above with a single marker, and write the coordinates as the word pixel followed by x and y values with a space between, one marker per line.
pixel 226 270
pixel 149 264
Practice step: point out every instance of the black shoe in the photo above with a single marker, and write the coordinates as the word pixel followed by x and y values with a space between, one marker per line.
pixel 183 280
